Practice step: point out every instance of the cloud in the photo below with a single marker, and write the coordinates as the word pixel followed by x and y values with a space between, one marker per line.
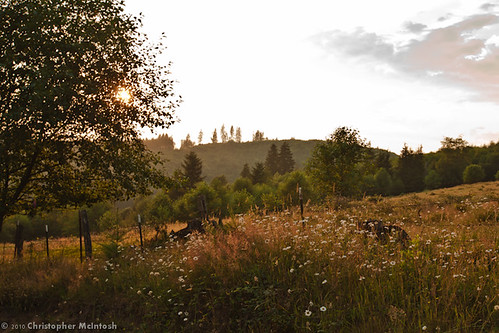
pixel 415 27
pixel 465 53
pixel 488 6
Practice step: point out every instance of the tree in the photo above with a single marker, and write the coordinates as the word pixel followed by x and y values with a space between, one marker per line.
pixel 238 135
pixel 452 162
pixel 272 160
pixel 286 161
pixel 187 143
pixel 214 137
pixel 473 174
pixel 383 181
pixel 453 143
pixel 258 136
pixel 232 137
pixel 200 137
pixel 258 174
pixel 192 169
pixel 333 165
pixel 432 180
pixel 382 160
pixel 162 143
pixel 223 134
pixel 411 169
pixel 246 173
pixel 78 83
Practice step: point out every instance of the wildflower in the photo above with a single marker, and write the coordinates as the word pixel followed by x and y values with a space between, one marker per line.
pixel 423 328
pixel 96 279
pixel 149 293
pixel 324 282
pixel 180 313
pixel 496 307
pixel 139 292
pixel 392 263
pixel 255 279
pixel 286 248
pixel 323 309
pixel 291 270
pixel 308 313
pixel 160 260
pixel 361 278
pixel 195 258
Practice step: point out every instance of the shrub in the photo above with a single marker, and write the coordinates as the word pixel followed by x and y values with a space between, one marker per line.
pixel 473 174
pixel 432 180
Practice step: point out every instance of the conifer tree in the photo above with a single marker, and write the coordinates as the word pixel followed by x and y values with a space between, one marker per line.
pixel 411 169
pixel 214 137
pixel 187 143
pixel 192 169
pixel 200 137
pixel 258 136
pixel 285 159
pixel 238 135
pixel 258 174
pixel 232 137
pixel 246 173
pixel 272 164
pixel 223 134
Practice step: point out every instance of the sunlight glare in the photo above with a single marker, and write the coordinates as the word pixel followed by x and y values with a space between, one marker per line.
pixel 123 95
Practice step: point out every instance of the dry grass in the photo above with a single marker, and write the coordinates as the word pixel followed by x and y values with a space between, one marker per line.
pixel 269 273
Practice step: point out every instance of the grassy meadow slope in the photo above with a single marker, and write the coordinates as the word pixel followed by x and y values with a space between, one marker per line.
pixel 276 273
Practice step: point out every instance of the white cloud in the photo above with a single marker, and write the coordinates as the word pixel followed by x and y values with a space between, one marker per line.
pixel 465 53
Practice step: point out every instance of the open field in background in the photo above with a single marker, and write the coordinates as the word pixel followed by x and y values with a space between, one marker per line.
pixel 268 273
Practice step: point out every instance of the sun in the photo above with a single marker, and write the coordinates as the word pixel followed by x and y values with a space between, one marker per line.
pixel 123 95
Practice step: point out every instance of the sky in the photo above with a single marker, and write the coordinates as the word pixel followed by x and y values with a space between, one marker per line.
pixel 399 72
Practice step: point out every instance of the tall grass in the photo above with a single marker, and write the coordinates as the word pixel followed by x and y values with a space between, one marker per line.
pixel 271 273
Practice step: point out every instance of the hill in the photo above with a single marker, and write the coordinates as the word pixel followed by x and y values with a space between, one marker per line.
pixel 229 158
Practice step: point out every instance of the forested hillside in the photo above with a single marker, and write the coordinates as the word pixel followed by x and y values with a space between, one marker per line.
pixel 227 158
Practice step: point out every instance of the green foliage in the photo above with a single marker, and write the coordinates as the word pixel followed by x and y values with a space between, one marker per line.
pixel 432 180
pixel 334 165
pixel 241 201
pixel 473 173
pixel 272 165
pixel 66 135
pixel 411 169
pixel 258 173
pixel 383 182
pixel 242 184
pixel 286 163
pixel 288 187
pixel 246 173
pixel 192 169
pixel 160 209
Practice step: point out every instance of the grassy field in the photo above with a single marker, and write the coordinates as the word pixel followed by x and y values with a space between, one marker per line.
pixel 275 273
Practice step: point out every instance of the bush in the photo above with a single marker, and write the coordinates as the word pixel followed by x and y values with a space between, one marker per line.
pixel 288 187
pixel 432 180
pixel 241 202
pixel 473 174
pixel 242 184
pixel 383 181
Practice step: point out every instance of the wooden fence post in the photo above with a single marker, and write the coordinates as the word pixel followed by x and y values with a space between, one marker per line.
pixel 47 238
pixel 140 231
pixel 18 241
pixel 81 235
pixel 300 196
pixel 86 234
